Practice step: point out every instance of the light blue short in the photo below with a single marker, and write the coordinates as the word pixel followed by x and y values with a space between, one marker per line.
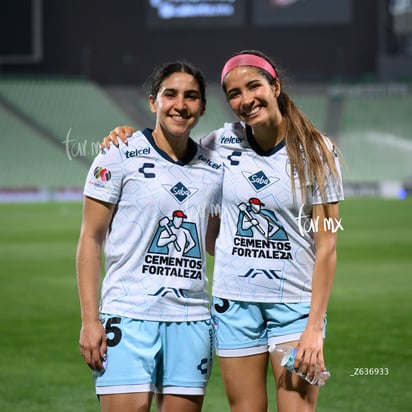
pixel 162 357
pixel 247 328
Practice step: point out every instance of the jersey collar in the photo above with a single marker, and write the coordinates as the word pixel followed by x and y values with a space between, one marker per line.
pixel 255 146
pixel 187 159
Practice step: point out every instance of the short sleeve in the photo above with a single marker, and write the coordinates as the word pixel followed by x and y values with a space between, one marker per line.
pixel 333 185
pixel 105 176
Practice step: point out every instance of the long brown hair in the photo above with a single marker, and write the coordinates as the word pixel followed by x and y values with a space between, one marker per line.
pixel 305 144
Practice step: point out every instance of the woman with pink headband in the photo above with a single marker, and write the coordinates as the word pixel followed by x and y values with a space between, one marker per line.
pixel 275 251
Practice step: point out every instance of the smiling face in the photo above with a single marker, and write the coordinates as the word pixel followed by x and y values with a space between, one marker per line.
pixel 178 105
pixel 252 98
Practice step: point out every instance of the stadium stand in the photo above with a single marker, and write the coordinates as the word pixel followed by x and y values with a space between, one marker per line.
pixel 28 160
pixel 376 137
pixel 217 112
pixel 132 100
pixel 62 105
pixel 315 107
pixel 51 127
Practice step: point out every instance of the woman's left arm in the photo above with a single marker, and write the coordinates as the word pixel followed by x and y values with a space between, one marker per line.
pixel 311 341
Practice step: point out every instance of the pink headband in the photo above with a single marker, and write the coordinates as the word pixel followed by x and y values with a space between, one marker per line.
pixel 247 60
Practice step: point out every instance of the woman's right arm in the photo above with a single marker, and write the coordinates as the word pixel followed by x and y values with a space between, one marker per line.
pixel 96 218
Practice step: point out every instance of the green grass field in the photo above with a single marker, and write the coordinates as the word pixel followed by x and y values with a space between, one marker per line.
pixel 369 329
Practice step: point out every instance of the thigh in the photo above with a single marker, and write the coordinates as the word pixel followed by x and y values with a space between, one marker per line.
pixel 188 353
pixel 240 328
pixel 293 393
pixel 126 402
pixel 286 323
pixel 181 403
pixel 244 379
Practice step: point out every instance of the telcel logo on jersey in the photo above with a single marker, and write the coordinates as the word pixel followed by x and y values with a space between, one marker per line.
pixel 137 152
pixel 229 140
pixel 209 162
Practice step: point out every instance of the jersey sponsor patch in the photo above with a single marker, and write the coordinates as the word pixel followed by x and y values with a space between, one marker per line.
pixel 259 180
pixel 180 192
pixel 175 249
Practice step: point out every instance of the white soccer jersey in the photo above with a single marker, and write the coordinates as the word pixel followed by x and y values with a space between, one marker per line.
pixel 154 248
pixel 265 249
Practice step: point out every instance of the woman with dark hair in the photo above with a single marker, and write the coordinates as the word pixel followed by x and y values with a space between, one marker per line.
pixel 147 204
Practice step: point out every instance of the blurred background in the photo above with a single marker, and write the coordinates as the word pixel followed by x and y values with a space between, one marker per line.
pixel 72 70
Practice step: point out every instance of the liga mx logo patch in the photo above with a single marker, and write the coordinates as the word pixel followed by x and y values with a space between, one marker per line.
pixel 102 173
